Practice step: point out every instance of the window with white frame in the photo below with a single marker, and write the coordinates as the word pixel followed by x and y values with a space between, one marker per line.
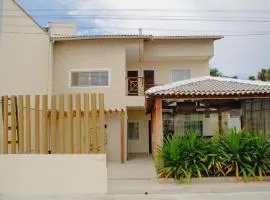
pixel 133 130
pixel 180 74
pixel 90 78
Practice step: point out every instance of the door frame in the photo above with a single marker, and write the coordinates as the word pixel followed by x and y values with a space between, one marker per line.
pixel 150 131
pixel 127 82
pixel 132 121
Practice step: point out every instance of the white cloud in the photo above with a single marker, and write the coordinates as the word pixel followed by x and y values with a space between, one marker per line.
pixel 234 55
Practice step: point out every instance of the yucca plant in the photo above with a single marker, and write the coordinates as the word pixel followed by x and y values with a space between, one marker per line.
pixel 193 158
pixel 236 149
pixel 168 157
pixel 182 157
pixel 261 157
pixel 215 160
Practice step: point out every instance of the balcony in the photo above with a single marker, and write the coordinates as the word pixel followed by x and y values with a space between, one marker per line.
pixel 136 86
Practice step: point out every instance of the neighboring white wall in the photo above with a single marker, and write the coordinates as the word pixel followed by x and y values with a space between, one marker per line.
pixel 49 174
pixel 24 53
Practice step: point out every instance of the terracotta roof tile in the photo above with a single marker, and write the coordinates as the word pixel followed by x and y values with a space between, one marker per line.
pixel 211 86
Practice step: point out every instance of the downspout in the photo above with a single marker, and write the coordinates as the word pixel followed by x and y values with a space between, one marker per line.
pixel 50 69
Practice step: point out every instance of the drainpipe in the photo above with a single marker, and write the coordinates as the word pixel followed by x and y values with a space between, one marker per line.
pixel 50 69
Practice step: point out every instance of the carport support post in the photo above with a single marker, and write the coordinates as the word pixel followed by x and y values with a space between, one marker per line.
pixel 219 122
pixel 157 123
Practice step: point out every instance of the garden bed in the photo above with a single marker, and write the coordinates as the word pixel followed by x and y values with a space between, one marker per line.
pixel 233 156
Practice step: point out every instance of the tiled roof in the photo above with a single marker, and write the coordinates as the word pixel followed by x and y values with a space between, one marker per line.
pixel 212 86
pixel 146 37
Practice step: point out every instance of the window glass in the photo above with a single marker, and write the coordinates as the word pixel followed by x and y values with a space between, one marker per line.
pixel 133 130
pixel 180 75
pixel 90 78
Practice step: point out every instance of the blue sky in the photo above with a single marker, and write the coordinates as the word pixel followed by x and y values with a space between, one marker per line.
pixel 241 55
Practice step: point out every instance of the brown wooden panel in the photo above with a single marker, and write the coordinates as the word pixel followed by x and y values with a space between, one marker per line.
pixel 78 122
pixel 5 124
pixel 28 125
pixel 94 121
pixel 45 124
pixel 61 124
pixel 122 125
pixel 37 124
pixel 13 124
pixel 21 125
pixel 101 123
pixel 53 124
pixel 70 125
pixel 86 124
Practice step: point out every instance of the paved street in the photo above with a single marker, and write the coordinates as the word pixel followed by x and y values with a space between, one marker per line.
pixel 135 189
pixel 126 182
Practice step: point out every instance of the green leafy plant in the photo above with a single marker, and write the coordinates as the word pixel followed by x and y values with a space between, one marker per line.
pixel 235 153
pixel 182 157
pixel 261 157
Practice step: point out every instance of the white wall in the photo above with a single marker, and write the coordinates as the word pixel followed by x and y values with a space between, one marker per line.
pixel 53 174
pixel 24 53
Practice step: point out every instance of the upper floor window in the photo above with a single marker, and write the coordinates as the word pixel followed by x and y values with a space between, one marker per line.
pixel 90 78
pixel 180 75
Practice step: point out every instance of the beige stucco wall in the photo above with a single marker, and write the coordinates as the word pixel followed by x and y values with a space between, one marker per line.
pixel 49 174
pixel 141 145
pixel 91 55
pixel 24 54
pixel 163 70
pixel 160 50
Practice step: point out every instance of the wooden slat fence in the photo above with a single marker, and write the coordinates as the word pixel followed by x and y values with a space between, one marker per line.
pixel 56 124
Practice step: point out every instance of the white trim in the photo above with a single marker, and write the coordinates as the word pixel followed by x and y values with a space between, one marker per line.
pixel 134 121
pixel 90 70
pixel 191 72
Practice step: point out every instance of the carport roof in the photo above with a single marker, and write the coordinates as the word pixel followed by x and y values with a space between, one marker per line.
pixel 211 86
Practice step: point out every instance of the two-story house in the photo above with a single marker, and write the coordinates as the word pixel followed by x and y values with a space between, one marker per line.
pixel 55 60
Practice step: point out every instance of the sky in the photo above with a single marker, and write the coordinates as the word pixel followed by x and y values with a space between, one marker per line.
pixel 245 24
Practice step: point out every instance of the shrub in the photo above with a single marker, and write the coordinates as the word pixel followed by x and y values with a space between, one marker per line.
pixel 182 157
pixel 235 153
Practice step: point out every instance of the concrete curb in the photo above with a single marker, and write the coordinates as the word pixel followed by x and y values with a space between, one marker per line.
pixel 214 180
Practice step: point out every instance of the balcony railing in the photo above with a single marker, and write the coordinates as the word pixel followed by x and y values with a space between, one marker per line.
pixel 136 86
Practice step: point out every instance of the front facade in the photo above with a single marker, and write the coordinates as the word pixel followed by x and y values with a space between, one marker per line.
pixel 122 67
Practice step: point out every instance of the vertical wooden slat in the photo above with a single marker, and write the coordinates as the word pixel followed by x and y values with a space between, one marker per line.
pixel 94 121
pixel 13 124
pixel 78 121
pixel 101 123
pixel 45 124
pixel 53 124
pixel 61 124
pixel 37 124
pixel 122 125
pixel 70 125
pixel 5 124
pixel 28 125
pixel 21 125
pixel 86 124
